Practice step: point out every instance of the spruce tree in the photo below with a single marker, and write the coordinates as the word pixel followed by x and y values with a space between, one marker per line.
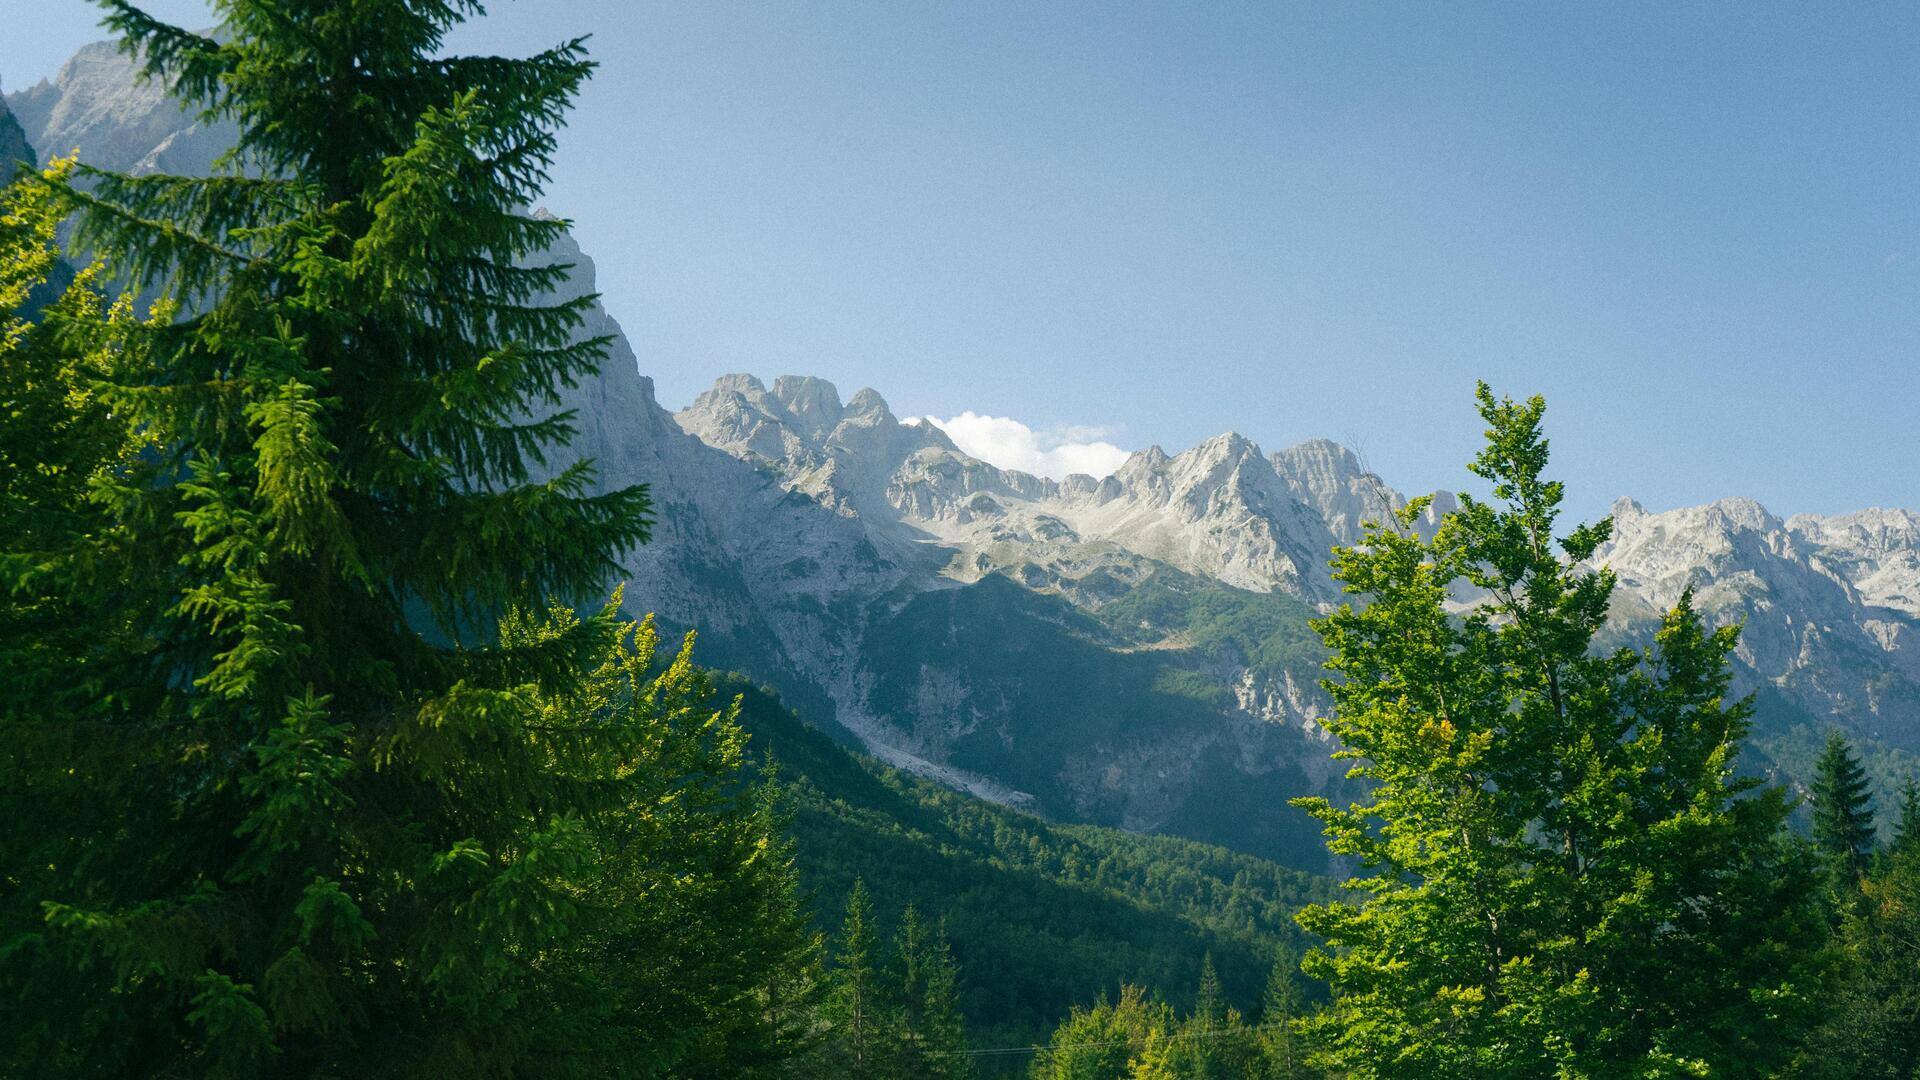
pixel 1842 810
pixel 341 809
pixel 1870 1026
pixel 907 988
pixel 944 1032
pixel 1906 829
pixel 1209 1001
pixel 854 1003
pixel 1214 1043
pixel 1282 1004
pixel 1562 873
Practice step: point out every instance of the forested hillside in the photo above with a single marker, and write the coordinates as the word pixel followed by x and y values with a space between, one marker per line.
pixel 1042 916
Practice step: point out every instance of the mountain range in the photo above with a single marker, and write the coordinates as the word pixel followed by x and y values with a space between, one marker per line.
pixel 1131 650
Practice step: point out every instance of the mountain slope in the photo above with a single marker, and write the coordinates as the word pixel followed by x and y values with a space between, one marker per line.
pixel 1041 916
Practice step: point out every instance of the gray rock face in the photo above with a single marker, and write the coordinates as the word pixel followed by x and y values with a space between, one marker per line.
pixel 1826 603
pixel 14 149
pixel 99 106
pixel 1222 509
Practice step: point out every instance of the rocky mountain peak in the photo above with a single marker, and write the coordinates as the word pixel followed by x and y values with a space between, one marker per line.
pixel 868 404
pixel 1625 509
pixel 1331 479
pixel 97 104
pixel 812 405
pixel 1228 446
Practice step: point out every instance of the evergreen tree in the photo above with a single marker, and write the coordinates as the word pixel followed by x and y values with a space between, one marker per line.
pixel 1209 1002
pixel 59 627
pixel 58 440
pixel 308 796
pixel 1906 830
pixel 937 1029
pixel 1871 1024
pixel 1283 1004
pixel 1214 1043
pixel 854 1004
pixel 1563 875
pixel 688 949
pixel 1842 811
pixel 907 990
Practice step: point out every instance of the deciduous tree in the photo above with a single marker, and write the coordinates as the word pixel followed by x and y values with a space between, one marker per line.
pixel 1562 873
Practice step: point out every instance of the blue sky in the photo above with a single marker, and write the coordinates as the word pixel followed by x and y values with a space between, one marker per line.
pixel 1696 229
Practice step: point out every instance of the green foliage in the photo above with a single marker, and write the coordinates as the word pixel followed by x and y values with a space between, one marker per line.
pixel 853 1003
pixel 1843 824
pixel 1040 915
pixel 1906 830
pixel 1281 1009
pixel 1871 1024
pixel 295 784
pixel 891 1013
pixel 932 1035
pixel 1110 1041
pixel 1140 1037
pixel 1267 632
pixel 1563 874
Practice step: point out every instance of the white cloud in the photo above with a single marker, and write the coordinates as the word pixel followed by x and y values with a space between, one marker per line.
pixel 1010 444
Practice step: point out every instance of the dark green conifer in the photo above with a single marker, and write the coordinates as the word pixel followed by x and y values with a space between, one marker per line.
pixel 1906 829
pixel 1281 1054
pixel 938 1030
pixel 1842 809
pixel 1209 1001
pixel 854 1002
pixel 310 795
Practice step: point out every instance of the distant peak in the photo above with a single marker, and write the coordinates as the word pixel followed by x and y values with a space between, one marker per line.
pixel 1321 450
pixel 806 394
pixel 738 383
pixel 1744 512
pixel 868 402
pixel 932 433
pixel 1227 444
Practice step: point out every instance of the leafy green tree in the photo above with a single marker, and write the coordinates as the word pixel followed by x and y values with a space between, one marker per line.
pixel 58 440
pixel 306 795
pixel 1158 1060
pixel 1842 810
pixel 1563 875
pixel 687 951
pixel 1106 1041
